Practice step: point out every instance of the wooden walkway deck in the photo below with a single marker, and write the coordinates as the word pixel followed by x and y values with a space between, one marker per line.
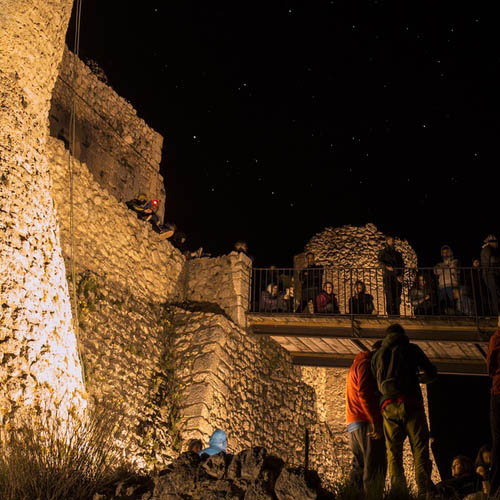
pixel 455 345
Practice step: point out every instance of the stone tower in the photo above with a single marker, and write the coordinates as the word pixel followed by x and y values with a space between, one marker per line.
pixel 38 351
pixel 350 253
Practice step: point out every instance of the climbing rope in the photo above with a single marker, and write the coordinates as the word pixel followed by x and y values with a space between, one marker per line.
pixel 72 140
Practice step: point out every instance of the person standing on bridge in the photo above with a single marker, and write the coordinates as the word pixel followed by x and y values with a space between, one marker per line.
pixel 364 424
pixel 493 364
pixel 396 367
pixel 392 264
pixel 448 274
pixel 311 279
pixel 490 262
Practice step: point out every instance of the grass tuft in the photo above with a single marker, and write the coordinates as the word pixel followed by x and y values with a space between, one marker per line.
pixel 46 458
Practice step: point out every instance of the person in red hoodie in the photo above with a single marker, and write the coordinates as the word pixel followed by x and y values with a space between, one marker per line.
pixel 364 424
pixel 493 363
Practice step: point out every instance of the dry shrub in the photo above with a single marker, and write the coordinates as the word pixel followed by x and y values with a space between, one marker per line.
pixel 47 458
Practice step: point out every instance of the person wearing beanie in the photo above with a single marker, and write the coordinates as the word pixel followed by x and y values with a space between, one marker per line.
pixel 490 262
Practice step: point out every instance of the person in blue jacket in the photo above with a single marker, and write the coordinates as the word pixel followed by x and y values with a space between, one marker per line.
pixel 217 443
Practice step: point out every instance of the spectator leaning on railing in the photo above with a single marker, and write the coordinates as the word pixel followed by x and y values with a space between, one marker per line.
pixel 361 302
pixel 326 301
pixel 422 297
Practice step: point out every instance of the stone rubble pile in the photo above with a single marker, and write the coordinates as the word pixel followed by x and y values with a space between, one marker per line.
pixel 252 474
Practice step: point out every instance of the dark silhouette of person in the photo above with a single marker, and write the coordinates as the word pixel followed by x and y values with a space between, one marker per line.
pixel 361 302
pixel 490 262
pixel 423 297
pixel 311 279
pixel 392 264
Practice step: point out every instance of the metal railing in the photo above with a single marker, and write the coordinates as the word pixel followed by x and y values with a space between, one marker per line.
pixel 404 292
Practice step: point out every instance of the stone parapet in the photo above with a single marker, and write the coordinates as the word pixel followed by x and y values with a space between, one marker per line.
pixel 222 280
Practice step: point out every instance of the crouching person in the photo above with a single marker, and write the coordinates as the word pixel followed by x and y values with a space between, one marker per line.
pixel 217 443
pixel 364 423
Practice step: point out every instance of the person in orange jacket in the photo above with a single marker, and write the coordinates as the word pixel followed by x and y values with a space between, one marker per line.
pixel 364 424
pixel 493 363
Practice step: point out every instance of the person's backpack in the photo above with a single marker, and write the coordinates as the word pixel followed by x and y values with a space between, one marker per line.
pixel 392 370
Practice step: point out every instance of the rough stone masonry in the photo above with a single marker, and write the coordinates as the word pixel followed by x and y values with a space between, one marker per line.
pixel 38 360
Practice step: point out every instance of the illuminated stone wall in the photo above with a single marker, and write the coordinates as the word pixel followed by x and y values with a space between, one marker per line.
pixel 124 272
pixel 38 352
pixel 109 239
pixel 248 387
pixel 119 148
pixel 221 280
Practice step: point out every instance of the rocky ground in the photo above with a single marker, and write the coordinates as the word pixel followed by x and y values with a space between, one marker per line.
pixel 252 474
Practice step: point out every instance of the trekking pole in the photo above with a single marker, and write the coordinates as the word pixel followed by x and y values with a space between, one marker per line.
pixel 307 449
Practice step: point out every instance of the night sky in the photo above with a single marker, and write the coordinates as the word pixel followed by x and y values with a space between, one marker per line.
pixel 281 118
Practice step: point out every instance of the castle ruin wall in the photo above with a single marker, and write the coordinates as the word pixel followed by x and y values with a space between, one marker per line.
pixel 39 363
pixel 248 387
pixel 119 148
pixel 108 238
pixel 221 280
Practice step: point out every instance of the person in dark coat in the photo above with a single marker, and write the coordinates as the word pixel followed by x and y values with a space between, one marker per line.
pixel 271 300
pixel 392 264
pixel 311 279
pixel 361 302
pixel 423 297
pixel 476 288
pixel 399 368
pixel 326 301
pixel 490 262
pixel 464 479
pixel 448 276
